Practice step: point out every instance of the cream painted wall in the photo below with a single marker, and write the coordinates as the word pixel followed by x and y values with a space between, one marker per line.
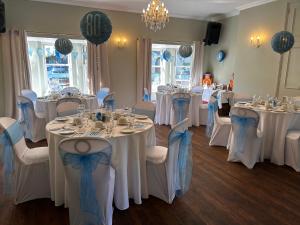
pixel 46 18
pixel 223 71
pixel 1 84
pixel 256 69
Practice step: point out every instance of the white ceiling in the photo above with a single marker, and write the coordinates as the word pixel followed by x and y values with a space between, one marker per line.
pixel 194 9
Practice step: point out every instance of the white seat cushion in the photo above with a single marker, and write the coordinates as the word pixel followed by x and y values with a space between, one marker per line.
pixel 224 120
pixel 203 106
pixel 36 155
pixel 293 135
pixel 157 154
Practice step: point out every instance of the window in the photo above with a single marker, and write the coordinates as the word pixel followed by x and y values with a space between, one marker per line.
pixel 52 71
pixel 177 70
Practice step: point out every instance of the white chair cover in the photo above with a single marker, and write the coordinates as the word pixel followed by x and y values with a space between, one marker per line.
pixel 67 106
pixel 32 124
pixel 30 167
pixel 145 108
pixel 71 90
pixel 292 149
pixel 162 88
pixel 180 106
pixel 101 94
pixel 163 167
pixel 245 143
pixel 29 94
pixel 221 125
pixel 203 113
pixel 90 179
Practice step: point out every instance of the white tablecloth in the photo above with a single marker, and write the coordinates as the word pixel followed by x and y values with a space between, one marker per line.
pixel 48 107
pixel 128 159
pixel 274 127
pixel 225 97
pixel 164 112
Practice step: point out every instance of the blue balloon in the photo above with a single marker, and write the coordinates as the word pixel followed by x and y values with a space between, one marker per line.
pixel 96 27
pixel 63 46
pixel 185 51
pixel 167 55
pixel 221 56
pixel 282 41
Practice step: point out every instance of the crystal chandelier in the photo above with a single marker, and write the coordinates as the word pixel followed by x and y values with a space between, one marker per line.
pixel 156 15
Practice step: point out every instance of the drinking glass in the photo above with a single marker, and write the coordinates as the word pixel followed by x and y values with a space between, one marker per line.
pixel 81 109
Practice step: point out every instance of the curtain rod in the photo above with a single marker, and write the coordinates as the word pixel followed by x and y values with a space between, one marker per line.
pixel 37 33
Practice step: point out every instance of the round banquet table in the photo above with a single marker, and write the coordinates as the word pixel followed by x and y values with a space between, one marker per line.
pixel 165 114
pixel 128 160
pixel 274 126
pixel 48 107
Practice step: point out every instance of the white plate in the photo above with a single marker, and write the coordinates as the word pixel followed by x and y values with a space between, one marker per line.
pixel 127 131
pixel 141 117
pixel 66 132
pixel 242 103
pixel 61 119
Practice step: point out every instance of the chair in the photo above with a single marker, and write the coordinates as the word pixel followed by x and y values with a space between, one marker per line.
pixel 203 113
pixel 67 106
pixel 101 95
pixel 218 128
pixel 169 170
pixel 90 179
pixel 109 101
pixel 32 124
pixel 147 97
pixel 246 139
pixel 162 88
pixel 29 94
pixel 145 108
pixel 292 149
pixel 180 106
pixel 71 90
pixel 26 171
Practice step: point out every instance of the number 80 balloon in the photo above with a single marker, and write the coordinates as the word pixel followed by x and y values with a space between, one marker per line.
pixel 96 27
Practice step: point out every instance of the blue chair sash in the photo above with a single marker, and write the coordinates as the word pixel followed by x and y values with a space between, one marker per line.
pixel 146 98
pixel 180 108
pixel 244 123
pixel 109 104
pixel 101 95
pixel 212 109
pixel 185 162
pixel 8 138
pixel 87 164
pixel 25 107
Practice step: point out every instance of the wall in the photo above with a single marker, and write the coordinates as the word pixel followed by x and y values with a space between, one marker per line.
pixel 223 71
pixel 256 69
pixel 1 84
pixel 47 18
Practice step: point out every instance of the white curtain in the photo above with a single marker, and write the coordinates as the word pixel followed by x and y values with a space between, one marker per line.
pixel 79 68
pixel 144 60
pixel 197 67
pixel 15 68
pixel 169 68
pixel 38 70
pixel 98 68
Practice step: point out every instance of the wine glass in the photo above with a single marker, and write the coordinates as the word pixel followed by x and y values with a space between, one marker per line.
pixel 81 109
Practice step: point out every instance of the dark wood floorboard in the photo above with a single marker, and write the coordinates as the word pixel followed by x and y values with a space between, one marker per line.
pixel 221 193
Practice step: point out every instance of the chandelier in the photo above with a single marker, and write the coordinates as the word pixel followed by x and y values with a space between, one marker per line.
pixel 156 15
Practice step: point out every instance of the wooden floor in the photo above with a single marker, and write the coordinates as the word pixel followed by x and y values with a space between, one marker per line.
pixel 220 193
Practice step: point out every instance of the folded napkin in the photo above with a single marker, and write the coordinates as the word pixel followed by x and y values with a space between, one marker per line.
pixel 54 127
